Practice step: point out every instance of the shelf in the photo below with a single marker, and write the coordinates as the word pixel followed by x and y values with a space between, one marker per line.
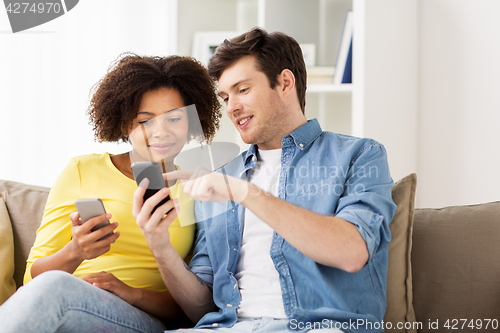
pixel 334 88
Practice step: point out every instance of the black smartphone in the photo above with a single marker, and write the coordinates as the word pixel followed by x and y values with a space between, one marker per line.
pixel 151 171
pixel 89 208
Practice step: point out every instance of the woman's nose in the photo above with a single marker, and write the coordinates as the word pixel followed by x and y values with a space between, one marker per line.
pixel 161 128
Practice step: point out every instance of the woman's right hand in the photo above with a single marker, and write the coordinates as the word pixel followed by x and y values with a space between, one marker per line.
pixel 155 225
pixel 87 244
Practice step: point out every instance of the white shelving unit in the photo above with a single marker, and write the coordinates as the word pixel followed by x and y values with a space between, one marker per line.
pixel 382 101
pixel 329 88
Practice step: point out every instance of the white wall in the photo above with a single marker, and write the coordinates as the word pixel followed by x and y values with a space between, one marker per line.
pixel 459 102
pixel 388 80
pixel 46 74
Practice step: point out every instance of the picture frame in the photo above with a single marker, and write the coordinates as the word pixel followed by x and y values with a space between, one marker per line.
pixel 205 43
pixel 309 52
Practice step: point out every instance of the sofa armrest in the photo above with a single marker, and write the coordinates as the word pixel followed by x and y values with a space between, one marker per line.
pixel 7 283
pixel 25 205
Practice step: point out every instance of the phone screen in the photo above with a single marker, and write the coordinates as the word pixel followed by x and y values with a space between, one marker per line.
pixel 89 208
pixel 151 171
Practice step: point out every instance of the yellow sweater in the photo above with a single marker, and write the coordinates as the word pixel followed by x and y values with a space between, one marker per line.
pixel 129 259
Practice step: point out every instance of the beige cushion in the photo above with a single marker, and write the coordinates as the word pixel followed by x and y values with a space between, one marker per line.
pixel 456 265
pixel 25 204
pixel 399 278
pixel 7 283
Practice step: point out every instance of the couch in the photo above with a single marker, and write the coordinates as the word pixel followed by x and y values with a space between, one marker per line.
pixel 444 264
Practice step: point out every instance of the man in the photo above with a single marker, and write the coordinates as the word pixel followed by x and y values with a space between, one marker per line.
pixel 293 233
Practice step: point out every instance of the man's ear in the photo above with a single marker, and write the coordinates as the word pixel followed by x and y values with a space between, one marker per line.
pixel 287 82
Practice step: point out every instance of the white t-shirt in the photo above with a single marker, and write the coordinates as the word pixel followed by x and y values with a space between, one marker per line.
pixel 257 277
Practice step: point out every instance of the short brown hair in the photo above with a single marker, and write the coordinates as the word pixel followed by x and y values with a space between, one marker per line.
pixel 117 96
pixel 274 52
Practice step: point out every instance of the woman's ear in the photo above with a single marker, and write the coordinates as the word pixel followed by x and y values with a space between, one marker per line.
pixel 287 81
pixel 126 130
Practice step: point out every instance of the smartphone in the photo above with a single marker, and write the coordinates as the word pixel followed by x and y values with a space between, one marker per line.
pixel 89 208
pixel 151 171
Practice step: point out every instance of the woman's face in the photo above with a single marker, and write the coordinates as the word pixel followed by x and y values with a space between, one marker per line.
pixel 160 129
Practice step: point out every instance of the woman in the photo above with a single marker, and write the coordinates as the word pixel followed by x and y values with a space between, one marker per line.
pixel 156 104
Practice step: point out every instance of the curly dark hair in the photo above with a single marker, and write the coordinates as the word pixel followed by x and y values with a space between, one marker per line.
pixel 117 96
pixel 274 52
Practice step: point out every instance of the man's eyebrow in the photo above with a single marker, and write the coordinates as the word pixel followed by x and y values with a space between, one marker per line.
pixel 233 86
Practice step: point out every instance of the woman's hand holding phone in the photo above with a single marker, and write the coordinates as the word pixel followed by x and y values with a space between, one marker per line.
pixel 154 225
pixel 88 244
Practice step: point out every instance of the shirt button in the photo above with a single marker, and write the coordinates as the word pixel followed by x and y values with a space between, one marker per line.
pixel 229 305
pixel 253 158
pixel 301 145
pixel 215 324
pixel 235 286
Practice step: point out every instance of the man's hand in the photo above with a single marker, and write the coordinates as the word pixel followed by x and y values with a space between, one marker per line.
pixel 205 185
pixel 111 283
pixel 154 226
pixel 87 244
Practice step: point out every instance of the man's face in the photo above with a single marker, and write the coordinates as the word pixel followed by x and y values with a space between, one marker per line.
pixel 257 111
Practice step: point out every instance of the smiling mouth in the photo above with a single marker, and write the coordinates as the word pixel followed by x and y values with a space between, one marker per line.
pixel 161 146
pixel 244 120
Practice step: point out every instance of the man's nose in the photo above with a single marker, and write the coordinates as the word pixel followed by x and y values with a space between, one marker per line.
pixel 233 105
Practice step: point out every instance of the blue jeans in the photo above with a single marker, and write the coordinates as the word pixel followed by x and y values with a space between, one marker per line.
pixel 261 325
pixel 56 301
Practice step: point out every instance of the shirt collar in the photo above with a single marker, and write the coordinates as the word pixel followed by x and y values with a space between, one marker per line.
pixel 302 137
pixel 251 155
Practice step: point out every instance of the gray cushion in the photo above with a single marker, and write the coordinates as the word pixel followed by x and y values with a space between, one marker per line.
pixel 456 265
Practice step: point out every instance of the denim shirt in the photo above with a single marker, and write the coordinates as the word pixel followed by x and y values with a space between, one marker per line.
pixel 329 174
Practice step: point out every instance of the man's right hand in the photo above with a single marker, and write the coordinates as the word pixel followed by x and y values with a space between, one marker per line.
pixel 87 244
